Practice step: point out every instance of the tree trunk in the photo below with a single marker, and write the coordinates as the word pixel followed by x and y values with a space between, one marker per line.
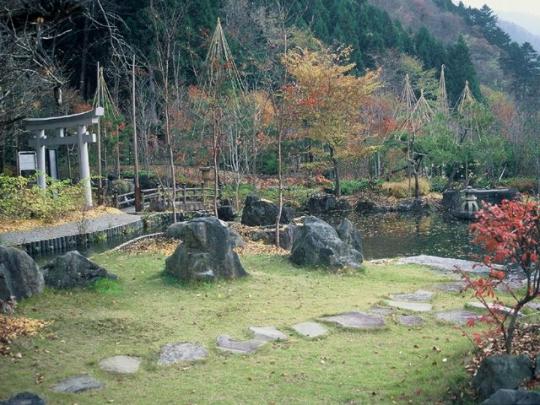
pixel 82 78
pixel 280 187
pixel 337 189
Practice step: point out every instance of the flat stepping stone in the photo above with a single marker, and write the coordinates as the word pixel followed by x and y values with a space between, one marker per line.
pixel 310 330
pixel 181 352
pixel 417 296
pixel 267 333
pixel 533 305
pixel 381 311
pixel 411 306
pixel 452 287
pixel 121 364
pixel 355 320
pixel 445 264
pixel 227 344
pixel 457 316
pixel 78 383
pixel 494 307
pixel 411 320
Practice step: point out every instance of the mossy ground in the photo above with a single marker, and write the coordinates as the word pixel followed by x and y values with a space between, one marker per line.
pixel 143 311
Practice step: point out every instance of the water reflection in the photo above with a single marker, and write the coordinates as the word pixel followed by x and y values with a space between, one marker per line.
pixel 393 234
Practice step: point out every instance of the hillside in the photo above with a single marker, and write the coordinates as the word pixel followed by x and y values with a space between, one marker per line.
pixel 520 34
pixel 446 24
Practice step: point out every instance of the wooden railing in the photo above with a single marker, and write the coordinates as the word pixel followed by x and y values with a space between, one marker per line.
pixel 187 198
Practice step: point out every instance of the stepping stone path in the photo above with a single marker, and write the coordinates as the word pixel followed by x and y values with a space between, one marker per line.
pixel 267 333
pixel 381 311
pixel 411 320
pixel 445 264
pixel 78 383
pixel 456 316
pixel 452 287
pixel 310 330
pixel 355 320
pixel 411 306
pixel 227 344
pixel 417 296
pixel 494 307
pixel 181 352
pixel 120 364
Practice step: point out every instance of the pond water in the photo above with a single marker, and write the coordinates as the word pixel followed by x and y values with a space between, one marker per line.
pixel 384 236
pixel 393 234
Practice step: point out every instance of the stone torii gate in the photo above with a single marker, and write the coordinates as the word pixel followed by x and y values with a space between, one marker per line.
pixel 58 125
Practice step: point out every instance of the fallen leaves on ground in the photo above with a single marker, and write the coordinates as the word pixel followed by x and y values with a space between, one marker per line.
pixel 14 327
pixel 526 341
pixel 74 216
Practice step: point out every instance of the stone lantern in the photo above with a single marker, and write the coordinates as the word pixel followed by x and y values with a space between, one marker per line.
pixel 470 205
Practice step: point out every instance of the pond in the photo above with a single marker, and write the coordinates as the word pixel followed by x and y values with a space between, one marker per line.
pixel 393 234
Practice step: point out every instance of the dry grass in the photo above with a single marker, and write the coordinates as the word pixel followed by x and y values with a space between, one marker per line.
pixel 401 189
pixel 74 216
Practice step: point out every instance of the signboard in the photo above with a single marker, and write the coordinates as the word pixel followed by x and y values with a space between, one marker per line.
pixel 27 161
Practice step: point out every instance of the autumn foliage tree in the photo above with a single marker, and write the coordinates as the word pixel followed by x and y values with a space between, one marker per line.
pixel 324 101
pixel 510 234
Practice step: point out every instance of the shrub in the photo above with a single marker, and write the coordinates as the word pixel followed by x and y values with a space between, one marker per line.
pixel 21 199
pixel 522 184
pixel 400 189
pixel 438 183
pixel 510 234
pixel 350 187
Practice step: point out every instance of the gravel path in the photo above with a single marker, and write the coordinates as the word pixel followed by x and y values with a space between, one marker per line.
pixel 101 223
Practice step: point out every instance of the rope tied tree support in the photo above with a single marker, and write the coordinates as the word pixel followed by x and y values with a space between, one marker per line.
pixel 58 125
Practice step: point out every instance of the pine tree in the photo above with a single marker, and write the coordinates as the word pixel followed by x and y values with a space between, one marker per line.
pixel 460 69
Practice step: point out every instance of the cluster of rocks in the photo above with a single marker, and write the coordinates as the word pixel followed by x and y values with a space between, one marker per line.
pixel 21 277
pixel 411 205
pixel 499 377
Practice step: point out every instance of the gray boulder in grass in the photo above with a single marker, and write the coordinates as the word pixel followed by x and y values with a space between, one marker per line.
pixel 73 270
pixel 502 372
pixel 206 251
pixel 20 276
pixel 317 243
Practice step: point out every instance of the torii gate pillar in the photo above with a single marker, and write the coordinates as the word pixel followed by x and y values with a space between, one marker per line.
pixel 79 121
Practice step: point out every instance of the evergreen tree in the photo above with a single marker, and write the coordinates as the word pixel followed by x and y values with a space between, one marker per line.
pixel 459 70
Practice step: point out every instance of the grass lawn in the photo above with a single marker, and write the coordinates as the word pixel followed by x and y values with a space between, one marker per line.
pixel 144 311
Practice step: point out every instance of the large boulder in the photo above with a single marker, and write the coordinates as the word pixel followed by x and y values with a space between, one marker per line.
pixel 268 236
pixel 513 397
pixel 259 212
pixel 317 243
pixel 502 371
pixel 206 251
pixel 73 270
pixel 349 234
pixel 20 276
pixel 326 204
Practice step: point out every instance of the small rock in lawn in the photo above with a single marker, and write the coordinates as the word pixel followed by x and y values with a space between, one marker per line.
pixel 410 320
pixel 78 383
pixel 452 287
pixel 411 306
pixel 494 307
pixel 268 333
pixel 120 364
pixel 24 398
pixel 417 296
pixel 508 397
pixel 533 305
pixel 381 311
pixel 456 316
pixel 502 371
pixel 310 330
pixel 181 352
pixel 228 344
pixel 355 320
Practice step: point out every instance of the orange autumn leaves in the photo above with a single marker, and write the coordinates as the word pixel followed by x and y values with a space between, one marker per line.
pixel 324 100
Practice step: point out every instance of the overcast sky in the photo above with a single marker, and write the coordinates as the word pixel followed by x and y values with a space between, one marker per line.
pixel 523 12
